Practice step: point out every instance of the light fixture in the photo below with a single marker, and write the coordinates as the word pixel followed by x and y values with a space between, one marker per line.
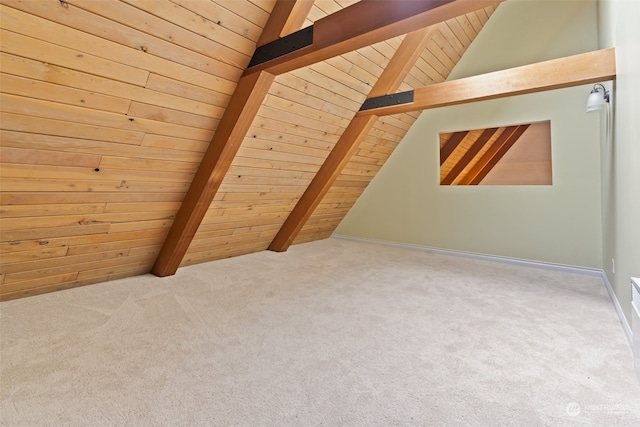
pixel 597 99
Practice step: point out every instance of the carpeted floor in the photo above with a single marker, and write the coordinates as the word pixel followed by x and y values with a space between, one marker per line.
pixel 330 333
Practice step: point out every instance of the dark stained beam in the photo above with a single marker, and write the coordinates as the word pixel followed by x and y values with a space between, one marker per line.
pixel 236 120
pixel 371 21
pixel 451 145
pixel 487 157
pixel 232 129
pixel 365 23
pixel 494 154
pixel 471 153
pixel 322 182
pixel 576 70
pixel 399 66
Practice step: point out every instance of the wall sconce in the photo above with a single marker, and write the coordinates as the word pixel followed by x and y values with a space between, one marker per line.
pixel 597 99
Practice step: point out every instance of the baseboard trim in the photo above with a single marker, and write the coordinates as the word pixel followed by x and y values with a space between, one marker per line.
pixel 616 304
pixel 497 258
pixel 517 261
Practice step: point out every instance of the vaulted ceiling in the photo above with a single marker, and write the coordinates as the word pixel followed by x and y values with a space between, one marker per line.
pixel 137 137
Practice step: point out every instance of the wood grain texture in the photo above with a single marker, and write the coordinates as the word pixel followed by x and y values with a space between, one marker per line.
pixel 468 156
pixel 106 113
pixel 397 69
pixel 384 136
pixel 292 12
pixel 345 31
pixel 494 154
pixel 237 118
pixel 322 182
pixel 576 70
pixel 222 149
pixel 108 110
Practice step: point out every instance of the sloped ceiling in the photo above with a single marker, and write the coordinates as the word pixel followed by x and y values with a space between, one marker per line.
pixel 108 108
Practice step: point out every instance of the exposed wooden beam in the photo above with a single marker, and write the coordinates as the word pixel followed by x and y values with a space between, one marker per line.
pixel 494 154
pixel 403 60
pixel 236 120
pixel 322 182
pixel 338 33
pixel 451 145
pixel 365 23
pixel 559 73
pixel 486 160
pixel 391 78
pixel 232 129
pixel 470 154
pixel 286 17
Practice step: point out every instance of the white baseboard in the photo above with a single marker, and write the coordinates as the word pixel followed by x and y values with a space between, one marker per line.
pixel 623 320
pixel 517 261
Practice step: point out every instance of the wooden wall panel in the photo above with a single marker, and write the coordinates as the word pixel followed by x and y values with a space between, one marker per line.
pixel 106 109
pixel 300 120
pixel 304 114
pixel 435 64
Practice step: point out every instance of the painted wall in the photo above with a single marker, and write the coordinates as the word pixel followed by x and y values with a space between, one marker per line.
pixel 618 26
pixel 560 223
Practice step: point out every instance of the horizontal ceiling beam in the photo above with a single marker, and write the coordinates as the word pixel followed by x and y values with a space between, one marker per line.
pixel 359 25
pixel 576 70
pixel 363 24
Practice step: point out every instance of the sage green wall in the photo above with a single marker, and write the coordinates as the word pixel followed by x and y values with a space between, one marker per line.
pixel 559 223
pixel 618 26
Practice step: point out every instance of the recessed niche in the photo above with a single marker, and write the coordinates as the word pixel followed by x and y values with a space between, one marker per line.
pixel 507 155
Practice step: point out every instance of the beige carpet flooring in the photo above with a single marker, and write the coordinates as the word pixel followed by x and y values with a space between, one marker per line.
pixel 330 333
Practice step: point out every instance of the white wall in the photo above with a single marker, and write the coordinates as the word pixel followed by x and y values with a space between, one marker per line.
pixel 618 24
pixel 559 223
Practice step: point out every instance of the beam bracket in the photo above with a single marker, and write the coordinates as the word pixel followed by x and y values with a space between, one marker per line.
pixel 387 100
pixel 282 46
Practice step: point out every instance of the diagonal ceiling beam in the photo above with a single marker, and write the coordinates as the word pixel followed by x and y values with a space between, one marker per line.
pixel 236 120
pixel 233 127
pixel 470 154
pixel 494 154
pixel 450 146
pixel 486 160
pixel 287 17
pixel 320 185
pixel 576 70
pixel 370 22
pixel 365 23
pixel 389 81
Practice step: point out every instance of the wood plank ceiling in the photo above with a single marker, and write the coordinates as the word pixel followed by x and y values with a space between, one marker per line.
pixel 108 108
